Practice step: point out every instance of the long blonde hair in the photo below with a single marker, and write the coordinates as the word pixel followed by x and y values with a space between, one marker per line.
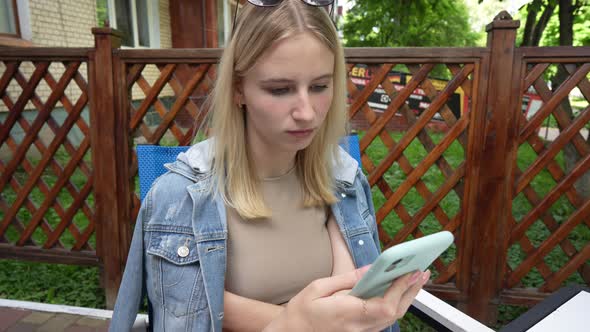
pixel 256 30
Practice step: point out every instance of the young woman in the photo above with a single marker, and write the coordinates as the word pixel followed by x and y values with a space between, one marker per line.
pixel 264 225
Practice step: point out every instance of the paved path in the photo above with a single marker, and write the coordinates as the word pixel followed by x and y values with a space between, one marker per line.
pixel 22 316
pixel 551 133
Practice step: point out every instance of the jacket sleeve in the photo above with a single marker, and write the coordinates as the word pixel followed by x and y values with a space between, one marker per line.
pixel 132 288
pixel 369 198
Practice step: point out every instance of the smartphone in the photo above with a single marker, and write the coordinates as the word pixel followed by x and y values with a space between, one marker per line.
pixel 400 259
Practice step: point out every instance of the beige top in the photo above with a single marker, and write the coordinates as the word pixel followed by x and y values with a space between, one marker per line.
pixel 272 259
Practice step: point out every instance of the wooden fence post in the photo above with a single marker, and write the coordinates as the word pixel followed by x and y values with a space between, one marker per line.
pixel 110 155
pixel 487 225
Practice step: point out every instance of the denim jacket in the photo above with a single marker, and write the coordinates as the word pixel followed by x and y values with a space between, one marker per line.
pixel 178 251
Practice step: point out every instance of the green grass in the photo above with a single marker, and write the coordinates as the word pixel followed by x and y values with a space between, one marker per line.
pixel 74 285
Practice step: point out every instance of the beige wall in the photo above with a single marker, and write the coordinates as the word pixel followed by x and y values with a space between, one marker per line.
pixel 63 23
pixel 165 30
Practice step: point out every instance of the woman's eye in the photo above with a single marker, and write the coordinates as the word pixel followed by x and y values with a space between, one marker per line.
pixel 279 91
pixel 319 88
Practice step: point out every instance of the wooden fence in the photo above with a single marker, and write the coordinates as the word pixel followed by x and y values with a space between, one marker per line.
pixel 77 201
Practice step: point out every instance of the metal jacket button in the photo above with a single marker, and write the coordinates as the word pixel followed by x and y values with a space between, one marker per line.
pixel 183 251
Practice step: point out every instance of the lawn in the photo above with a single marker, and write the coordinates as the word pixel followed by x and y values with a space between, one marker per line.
pixel 73 285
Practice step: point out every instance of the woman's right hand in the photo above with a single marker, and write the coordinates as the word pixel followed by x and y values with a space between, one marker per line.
pixel 315 309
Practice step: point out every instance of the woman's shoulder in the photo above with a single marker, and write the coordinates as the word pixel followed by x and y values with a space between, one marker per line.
pixel 346 169
pixel 169 185
pixel 168 201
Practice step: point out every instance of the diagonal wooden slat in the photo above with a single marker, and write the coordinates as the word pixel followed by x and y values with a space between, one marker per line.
pixel 563 120
pixel 406 168
pixel 421 123
pixel 82 101
pixel 555 147
pixel 555 237
pixel 179 103
pixel 557 279
pixel 445 111
pixel 29 205
pixel 466 86
pixel 58 139
pixel 562 92
pixel 394 106
pixel 582 167
pixel 151 93
pixel 134 72
pixel 360 97
pixel 424 138
pixel 415 231
pixel 60 183
pixel 11 69
pixel 28 91
pixel 438 196
pixel 551 224
pixel 37 124
pixel 69 214
pixel 535 73
pixel 423 167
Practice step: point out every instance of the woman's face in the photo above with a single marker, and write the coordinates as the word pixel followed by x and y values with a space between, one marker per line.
pixel 288 94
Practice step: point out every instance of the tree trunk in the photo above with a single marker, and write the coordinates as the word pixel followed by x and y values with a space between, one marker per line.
pixel 532 10
pixel 542 24
pixel 566 38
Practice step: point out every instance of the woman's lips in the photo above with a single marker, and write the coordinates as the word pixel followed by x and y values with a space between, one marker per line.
pixel 300 133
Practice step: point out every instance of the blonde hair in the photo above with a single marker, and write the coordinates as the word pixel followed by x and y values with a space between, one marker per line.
pixel 256 30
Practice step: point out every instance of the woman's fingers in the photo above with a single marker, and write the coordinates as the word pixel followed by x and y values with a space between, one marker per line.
pixel 396 300
pixel 328 286
pixel 411 293
pixel 400 286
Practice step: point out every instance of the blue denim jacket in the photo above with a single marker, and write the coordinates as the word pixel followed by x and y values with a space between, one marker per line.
pixel 178 251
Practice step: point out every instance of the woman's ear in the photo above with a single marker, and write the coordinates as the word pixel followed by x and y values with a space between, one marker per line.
pixel 238 95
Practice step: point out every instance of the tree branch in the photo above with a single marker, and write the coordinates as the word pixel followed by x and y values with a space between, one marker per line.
pixel 542 24
pixel 531 17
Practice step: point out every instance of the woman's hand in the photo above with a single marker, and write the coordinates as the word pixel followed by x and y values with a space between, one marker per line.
pixel 315 309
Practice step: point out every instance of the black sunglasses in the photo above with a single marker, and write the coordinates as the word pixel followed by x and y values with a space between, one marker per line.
pixel 272 3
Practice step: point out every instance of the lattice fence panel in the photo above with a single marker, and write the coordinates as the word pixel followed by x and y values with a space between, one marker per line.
pixel 550 240
pixel 417 174
pixel 46 184
pixel 166 108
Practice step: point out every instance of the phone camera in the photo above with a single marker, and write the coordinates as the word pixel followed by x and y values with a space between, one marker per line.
pixel 393 265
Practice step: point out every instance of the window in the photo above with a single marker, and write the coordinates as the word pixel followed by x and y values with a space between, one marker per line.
pixel 15 29
pixel 138 20
pixel 225 16
pixel 9 25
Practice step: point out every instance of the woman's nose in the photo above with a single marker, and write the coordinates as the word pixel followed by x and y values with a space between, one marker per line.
pixel 304 110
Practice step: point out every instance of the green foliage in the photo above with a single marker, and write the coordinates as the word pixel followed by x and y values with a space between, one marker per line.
pixel 388 23
pixel 102 13
pixel 550 35
pixel 51 283
pixel 581 28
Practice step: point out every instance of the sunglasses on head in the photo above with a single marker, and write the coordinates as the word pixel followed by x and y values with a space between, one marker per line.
pixel 272 3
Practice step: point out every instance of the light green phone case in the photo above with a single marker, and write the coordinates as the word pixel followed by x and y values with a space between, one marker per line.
pixel 400 259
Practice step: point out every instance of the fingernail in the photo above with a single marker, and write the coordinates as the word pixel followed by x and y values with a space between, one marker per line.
pixel 414 277
pixel 426 276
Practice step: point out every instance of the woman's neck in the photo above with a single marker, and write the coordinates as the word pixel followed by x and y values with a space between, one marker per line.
pixel 270 164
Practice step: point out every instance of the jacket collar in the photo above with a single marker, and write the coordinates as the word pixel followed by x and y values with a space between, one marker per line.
pixel 198 159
